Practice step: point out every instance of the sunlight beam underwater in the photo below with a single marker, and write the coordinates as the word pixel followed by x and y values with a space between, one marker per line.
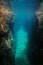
pixel 22 41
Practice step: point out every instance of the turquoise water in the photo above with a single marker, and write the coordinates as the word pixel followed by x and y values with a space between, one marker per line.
pixel 22 40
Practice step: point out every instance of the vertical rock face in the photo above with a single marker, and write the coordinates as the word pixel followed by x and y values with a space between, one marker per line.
pixel 6 37
pixel 39 14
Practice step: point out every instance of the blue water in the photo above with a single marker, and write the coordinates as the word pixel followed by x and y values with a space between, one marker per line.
pixel 24 14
